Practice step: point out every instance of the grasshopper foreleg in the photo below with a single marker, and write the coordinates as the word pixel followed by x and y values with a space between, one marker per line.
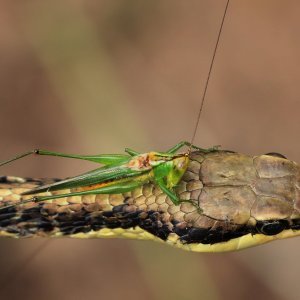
pixel 188 144
pixel 174 198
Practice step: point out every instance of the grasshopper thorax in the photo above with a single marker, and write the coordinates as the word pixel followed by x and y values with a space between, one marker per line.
pixel 164 165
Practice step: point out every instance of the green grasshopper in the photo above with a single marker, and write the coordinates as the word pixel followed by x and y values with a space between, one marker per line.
pixel 121 173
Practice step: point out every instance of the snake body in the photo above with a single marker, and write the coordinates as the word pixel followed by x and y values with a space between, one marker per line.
pixel 240 201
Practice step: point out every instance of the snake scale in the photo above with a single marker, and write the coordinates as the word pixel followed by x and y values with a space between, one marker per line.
pixel 240 201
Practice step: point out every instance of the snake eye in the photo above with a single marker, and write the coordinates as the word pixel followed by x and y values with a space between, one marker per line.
pixel 271 227
pixel 275 154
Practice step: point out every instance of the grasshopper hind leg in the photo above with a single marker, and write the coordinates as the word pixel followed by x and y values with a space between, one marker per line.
pixel 105 159
pixel 117 188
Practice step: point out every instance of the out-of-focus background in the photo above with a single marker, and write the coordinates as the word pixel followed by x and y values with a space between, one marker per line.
pixel 98 76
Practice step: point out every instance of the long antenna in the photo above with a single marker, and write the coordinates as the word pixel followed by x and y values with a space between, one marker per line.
pixel 208 77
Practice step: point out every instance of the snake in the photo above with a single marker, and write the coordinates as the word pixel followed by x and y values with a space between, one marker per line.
pixel 239 201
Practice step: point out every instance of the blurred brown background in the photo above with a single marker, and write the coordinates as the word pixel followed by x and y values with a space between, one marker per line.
pixel 98 76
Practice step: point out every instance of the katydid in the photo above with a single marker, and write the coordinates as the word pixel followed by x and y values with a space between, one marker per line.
pixel 121 172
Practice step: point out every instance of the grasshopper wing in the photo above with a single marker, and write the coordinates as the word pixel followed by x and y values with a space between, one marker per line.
pixel 97 176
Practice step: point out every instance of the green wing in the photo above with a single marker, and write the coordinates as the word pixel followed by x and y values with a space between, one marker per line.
pixel 100 175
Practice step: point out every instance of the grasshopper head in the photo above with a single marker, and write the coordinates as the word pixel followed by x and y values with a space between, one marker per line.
pixel 180 164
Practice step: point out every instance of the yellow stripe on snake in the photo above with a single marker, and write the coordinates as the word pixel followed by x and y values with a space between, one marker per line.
pixel 244 201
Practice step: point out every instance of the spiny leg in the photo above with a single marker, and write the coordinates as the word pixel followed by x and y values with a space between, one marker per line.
pixel 105 159
pixel 188 144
